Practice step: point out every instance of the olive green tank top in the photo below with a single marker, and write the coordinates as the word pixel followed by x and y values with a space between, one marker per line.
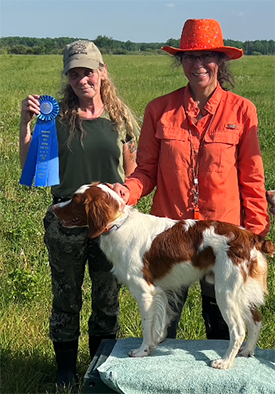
pixel 99 158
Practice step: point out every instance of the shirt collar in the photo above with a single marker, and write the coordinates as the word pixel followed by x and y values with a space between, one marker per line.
pixel 191 107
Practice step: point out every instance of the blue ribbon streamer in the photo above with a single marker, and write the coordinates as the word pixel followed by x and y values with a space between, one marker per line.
pixel 42 164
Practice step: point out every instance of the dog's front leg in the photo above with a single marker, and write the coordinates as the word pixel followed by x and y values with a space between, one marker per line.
pixel 145 301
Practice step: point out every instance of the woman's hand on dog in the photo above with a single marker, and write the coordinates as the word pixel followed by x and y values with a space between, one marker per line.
pixel 122 191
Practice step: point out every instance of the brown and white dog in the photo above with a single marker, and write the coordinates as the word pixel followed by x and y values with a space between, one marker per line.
pixel 270 196
pixel 153 255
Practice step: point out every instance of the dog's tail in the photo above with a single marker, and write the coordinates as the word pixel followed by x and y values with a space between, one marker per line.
pixel 267 247
pixel 162 314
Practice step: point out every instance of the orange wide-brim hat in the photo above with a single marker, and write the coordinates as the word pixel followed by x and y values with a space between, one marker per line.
pixel 203 35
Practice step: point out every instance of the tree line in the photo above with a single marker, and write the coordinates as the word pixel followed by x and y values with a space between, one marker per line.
pixel 48 46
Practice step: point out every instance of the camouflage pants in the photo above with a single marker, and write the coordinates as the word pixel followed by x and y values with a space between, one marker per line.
pixel 69 251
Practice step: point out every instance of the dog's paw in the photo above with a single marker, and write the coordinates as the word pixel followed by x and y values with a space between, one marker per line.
pixel 141 352
pixel 221 364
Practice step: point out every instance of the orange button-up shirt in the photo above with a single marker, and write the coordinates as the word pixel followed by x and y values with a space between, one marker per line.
pixel 229 164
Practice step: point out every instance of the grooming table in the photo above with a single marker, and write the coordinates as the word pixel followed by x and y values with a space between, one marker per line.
pixel 178 367
pixel 92 382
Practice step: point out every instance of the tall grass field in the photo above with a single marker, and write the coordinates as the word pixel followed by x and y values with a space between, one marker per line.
pixel 27 358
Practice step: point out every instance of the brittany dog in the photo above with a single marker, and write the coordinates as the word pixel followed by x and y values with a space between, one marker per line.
pixel 153 256
pixel 270 196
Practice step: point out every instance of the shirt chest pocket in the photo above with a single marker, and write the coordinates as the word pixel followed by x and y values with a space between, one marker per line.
pixel 220 151
pixel 174 147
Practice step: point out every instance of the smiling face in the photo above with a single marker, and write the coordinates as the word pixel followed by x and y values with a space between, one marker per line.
pixel 201 70
pixel 86 83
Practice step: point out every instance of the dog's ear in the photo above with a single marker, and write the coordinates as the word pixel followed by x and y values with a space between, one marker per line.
pixel 100 210
pixel 97 217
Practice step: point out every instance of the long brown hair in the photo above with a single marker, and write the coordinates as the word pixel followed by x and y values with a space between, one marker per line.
pixel 118 111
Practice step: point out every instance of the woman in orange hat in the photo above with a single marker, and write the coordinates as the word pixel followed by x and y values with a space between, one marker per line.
pixel 199 150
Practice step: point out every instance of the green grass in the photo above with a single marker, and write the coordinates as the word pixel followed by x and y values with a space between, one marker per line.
pixel 27 359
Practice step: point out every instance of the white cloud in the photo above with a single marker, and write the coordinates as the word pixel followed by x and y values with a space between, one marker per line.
pixel 170 5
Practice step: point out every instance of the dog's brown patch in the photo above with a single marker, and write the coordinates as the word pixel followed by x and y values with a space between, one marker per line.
pixel 177 245
pixel 255 314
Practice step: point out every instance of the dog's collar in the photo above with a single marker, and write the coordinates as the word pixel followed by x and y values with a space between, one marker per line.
pixel 115 226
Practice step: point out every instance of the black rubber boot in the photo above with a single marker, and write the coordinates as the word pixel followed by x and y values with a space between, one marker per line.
pixel 94 342
pixel 66 356
pixel 216 327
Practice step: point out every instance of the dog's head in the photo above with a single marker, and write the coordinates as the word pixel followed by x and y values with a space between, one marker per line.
pixel 94 206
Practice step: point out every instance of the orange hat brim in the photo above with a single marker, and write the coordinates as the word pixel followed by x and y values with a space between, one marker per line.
pixel 230 52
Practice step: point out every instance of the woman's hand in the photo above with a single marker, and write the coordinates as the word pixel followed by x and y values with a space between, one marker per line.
pixel 122 191
pixel 30 108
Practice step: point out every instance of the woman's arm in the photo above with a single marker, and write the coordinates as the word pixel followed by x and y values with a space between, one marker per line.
pixel 143 180
pixel 251 177
pixel 129 156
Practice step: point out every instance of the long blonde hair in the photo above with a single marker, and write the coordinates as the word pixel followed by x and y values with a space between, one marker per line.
pixel 118 111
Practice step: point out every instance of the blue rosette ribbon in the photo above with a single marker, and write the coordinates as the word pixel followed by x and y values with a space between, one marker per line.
pixel 42 164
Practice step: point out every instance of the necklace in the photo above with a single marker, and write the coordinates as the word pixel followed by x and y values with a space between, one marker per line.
pixel 94 115
pixel 195 167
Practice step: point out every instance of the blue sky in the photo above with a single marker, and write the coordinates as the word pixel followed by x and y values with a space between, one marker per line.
pixel 134 20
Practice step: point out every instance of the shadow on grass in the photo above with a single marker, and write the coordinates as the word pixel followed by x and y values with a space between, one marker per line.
pixel 21 373
pixel 30 374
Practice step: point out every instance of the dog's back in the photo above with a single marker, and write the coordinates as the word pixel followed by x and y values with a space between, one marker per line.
pixel 164 255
